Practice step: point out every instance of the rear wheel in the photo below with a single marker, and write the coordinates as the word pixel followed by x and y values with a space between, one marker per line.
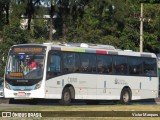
pixel 125 96
pixel 66 97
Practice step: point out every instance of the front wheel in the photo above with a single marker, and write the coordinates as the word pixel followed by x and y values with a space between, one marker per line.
pixel 125 96
pixel 66 97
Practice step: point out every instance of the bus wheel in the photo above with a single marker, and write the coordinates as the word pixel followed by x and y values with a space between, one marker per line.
pixel 66 97
pixel 125 96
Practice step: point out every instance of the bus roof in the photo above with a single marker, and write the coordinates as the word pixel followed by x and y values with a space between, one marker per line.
pixel 92 48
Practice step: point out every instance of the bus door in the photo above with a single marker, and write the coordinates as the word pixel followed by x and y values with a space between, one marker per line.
pixel 53 73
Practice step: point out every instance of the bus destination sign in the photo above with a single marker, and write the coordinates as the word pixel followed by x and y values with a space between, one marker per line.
pixel 14 74
pixel 28 49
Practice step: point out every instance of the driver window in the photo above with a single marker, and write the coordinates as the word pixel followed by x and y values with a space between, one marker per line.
pixel 53 66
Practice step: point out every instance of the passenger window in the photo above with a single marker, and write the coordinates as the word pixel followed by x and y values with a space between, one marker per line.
pixel 120 65
pixel 88 63
pixel 53 66
pixel 104 64
pixel 150 67
pixel 135 66
pixel 71 62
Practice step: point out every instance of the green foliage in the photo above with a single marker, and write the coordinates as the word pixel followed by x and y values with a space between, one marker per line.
pixel 105 21
pixel 117 23
pixel 97 25
pixel 12 35
pixel 129 39
pixel 39 32
pixel 114 22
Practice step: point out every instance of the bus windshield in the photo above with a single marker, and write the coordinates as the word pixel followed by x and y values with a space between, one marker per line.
pixel 25 66
pixel 25 63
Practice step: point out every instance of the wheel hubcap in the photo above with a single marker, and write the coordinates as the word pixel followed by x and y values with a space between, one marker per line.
pixel 126 97
pixel 66 96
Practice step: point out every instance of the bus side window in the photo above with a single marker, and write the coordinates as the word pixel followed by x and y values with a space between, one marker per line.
pixel 88 63
pixel 101 67
pixel 135 66
pixel 70 62
pixel 77 63
pixel 120 65
pixel 104 64
pixel 150 67
pixel 53 66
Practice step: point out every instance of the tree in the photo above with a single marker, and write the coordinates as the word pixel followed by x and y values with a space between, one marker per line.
pixel 53 5
pixel 151 27
pixel 30 9
pixel 4 12
pixel 63 10
pixel 11 35
pixel 100 23
pixel 129 34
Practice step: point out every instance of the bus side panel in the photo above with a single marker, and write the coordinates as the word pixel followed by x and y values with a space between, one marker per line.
pixel 106 88
pixel 84 85
pixel 147 88
pixel 109 87
pixel 102 87
pixel 54 88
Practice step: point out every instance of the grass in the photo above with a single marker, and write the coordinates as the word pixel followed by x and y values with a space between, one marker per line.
pixel 132 107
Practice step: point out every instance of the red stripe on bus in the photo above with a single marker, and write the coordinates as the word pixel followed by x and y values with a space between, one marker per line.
pixel 101 52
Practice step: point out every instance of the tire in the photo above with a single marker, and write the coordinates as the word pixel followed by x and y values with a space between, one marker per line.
pixel 66 97
pixel 125 96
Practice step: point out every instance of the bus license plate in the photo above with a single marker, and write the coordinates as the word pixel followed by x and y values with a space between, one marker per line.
pixel 21 94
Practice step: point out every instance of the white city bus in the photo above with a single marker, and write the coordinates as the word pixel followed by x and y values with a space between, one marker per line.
pixel 79 71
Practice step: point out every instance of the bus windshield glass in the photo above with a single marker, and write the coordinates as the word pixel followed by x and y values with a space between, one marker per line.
pixel 26 63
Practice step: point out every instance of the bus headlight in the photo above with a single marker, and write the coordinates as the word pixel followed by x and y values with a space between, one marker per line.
pixel 38 85
pixel 7 86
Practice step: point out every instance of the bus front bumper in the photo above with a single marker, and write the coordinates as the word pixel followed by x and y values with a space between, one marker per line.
pixel 23 94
